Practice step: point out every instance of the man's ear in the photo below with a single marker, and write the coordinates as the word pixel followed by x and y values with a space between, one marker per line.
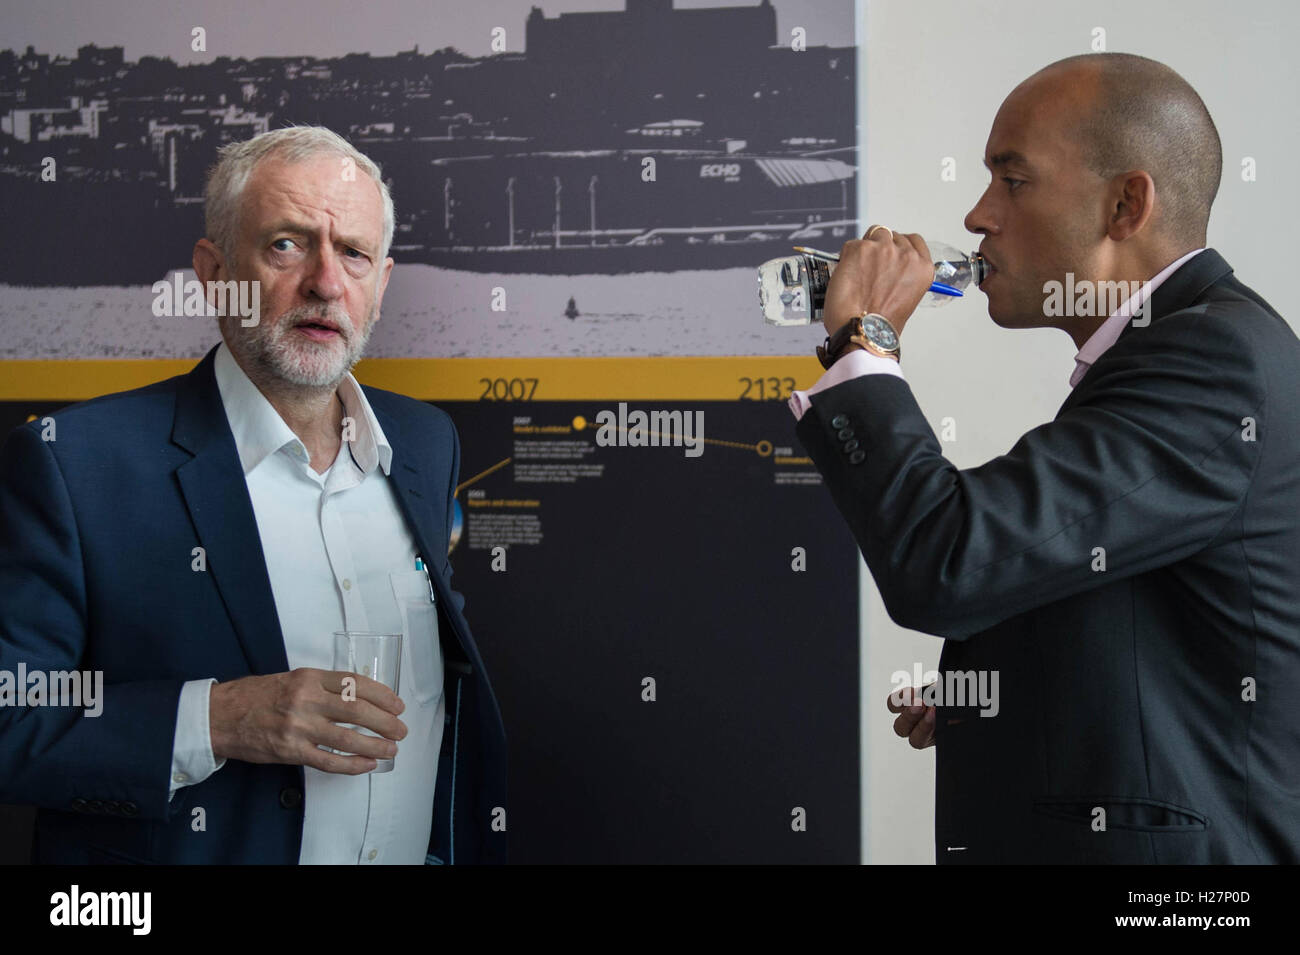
pixel 384 276
pixel 209 264
pixel 1134 202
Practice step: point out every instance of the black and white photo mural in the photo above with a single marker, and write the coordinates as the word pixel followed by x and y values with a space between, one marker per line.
pixel 618 169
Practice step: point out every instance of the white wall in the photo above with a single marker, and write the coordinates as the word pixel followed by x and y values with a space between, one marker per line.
pixel 933 75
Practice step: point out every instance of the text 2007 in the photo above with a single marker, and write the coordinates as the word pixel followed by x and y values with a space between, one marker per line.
pixel 508 389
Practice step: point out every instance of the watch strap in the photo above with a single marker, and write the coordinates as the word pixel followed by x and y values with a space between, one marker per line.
pixel 830 351
pixel 853 333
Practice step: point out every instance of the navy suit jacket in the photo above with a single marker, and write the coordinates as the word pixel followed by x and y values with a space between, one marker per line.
pixel 97 531
pixel 1129 569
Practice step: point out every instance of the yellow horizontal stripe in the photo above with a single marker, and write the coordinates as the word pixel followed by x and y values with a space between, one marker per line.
pixel 462 379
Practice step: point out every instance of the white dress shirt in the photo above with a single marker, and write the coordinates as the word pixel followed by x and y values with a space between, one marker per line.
pixel 861 362
pixel 340 557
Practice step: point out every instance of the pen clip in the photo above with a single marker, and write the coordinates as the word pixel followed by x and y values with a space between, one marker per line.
pixel 422 565
pixel 818 253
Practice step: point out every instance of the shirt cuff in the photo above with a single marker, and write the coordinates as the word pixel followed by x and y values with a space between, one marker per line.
pixel 192 758
pixel 855 364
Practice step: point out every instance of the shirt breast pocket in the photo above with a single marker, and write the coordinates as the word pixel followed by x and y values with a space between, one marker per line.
pixel 419 633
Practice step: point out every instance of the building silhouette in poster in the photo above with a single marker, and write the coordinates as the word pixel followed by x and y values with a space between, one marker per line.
pixel 643 139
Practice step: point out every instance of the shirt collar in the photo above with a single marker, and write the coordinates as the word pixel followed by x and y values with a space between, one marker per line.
pixel 260 431
pixel 1109 331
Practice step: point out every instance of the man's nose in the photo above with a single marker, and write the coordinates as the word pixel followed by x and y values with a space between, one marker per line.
pixel 325 278
pixel 978 219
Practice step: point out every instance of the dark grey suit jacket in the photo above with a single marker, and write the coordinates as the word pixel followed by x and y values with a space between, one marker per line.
pixel 1164 690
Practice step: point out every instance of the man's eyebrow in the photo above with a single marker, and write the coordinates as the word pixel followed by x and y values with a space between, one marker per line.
pixel 288 225
pixel 1005 158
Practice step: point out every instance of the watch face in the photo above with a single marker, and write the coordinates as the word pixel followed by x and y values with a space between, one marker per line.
pixel 879 332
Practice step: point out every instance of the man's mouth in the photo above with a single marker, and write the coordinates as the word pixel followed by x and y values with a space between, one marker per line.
pixel 989 267
pixel 319 329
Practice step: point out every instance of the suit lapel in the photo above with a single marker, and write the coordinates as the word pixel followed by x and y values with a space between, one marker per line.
pixel 1182 289
pixel 216 494
pixel 412 489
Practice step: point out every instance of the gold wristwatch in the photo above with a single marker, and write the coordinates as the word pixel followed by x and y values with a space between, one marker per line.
pixel 870 331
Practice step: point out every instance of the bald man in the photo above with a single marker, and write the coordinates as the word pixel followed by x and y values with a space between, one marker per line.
pixel 1125 577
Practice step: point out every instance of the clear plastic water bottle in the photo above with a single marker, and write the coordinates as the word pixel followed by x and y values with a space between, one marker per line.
pixel 792 290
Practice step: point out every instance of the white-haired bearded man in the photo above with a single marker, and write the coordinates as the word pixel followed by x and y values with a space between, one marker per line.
pixel 200 541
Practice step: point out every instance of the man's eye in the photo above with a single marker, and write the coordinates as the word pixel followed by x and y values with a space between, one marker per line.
pixel 276 244
pixel 1012 183
pixel 359 253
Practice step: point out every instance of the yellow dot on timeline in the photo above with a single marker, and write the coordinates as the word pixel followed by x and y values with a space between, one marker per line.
pixel 579 423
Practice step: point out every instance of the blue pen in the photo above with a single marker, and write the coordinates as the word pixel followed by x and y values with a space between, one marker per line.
pixel 938 287
pixel 420 565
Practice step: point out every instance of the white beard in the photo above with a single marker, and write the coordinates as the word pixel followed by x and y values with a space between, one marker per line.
pixel 279 350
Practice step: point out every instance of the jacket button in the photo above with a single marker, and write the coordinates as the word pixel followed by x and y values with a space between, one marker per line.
pixel 112 807
pixel 78 805
pixel 291 797
pixel 130 809
pixel 839 421
pixel 851 445
pixel 95 805
pixel 845 433
pixel 857 457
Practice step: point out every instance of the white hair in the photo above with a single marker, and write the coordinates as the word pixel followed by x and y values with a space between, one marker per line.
pixel 236 162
